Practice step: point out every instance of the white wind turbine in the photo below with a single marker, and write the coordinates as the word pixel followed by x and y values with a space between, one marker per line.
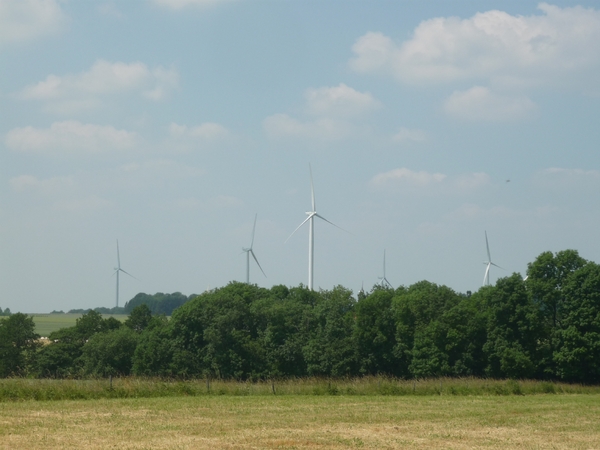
pixel 486 277
pixel 311 234
pixel 117 270
pixel 250 251
pixel 384 280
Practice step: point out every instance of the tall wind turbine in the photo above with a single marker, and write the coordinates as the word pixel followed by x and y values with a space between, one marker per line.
pixel 117 270
pixel 311 231
pixel 250 251
pixel 486 277
pixel 384 280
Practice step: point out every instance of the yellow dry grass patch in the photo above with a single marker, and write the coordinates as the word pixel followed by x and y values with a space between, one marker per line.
pixel 306 422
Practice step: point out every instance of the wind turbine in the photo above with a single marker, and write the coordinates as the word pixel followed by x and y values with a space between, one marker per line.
pixel 311 234
pixel 250 251
pixel 486 277
pixel 384 280
pixel 117 270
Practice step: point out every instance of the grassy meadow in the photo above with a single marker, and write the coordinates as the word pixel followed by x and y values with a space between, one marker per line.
pixel 306 422
pixel 47 323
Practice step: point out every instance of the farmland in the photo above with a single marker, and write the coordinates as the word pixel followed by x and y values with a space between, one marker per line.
pixel 304 421
pixel 47 323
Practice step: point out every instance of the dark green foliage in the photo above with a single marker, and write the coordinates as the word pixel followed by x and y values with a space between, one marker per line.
pixel 18 342
pixel 577 355
pixel 109 353
pixel 158 303
pixel 62 358
pixel 139 318
pixel 374 333
pixel 514 330
pixel 546 327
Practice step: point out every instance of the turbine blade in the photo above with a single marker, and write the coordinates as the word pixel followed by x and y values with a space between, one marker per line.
pixel 261 269
pixel 118 257
pixel 323 218
pixel 312 189
pixel 497 266
pixel 487 272
pixel 128 273
pixel 388 283
pixel 305 220
pixel 384 264
pixel 488 247
pixel 253 230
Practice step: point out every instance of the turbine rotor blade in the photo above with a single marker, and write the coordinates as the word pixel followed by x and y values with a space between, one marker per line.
pixel 488 247
pixel 253 230
pixel 261 269
pixel 297 228
pixel 118 257
pixel 323 218
pixel 497 266
pixel 128 274
pixel 312 189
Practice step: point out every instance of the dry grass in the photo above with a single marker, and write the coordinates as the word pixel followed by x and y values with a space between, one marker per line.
pixel 306 422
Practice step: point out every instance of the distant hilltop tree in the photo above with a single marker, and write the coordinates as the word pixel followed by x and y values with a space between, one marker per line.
pixel 158 303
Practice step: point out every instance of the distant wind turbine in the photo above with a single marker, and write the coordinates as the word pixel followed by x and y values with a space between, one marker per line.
pixel 117 270
pixel 311 235
pixel 384 280
pixel 250 251
pixel 486 277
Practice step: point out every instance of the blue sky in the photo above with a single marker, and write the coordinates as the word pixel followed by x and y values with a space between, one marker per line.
pixel 169 124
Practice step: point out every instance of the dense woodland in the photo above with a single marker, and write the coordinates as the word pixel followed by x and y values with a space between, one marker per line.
pixel 544 327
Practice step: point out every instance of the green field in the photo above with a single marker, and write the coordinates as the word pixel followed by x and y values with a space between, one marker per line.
pixel 306 422
pixel 47 323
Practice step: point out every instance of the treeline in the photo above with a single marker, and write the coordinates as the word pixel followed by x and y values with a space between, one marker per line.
pixel 5 313
pixel 544 327
pixel 158 303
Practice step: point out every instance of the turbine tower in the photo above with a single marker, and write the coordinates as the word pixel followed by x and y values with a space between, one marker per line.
pixel 311 231
pixel 489 263
pixel 384 280
pixel 250 251
pixel 117 270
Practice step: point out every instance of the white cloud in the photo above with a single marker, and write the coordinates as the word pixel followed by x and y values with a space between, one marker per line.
pixel 407 134
pixel 180 4
pixel 494 46
pixel 335 114
pixel 325 129
pixel 206 131
pixel 70 137
pixel 22 20
pixel 407 177
pixel 86 89
pixel 481 104
pixel 159 169
pixel 339 101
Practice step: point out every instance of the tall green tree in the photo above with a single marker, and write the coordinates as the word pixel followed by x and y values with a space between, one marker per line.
pixel 513 331
pixel 18 343
pixel 546 277
pixel 577 354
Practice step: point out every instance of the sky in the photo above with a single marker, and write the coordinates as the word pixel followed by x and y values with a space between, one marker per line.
pixel 169 124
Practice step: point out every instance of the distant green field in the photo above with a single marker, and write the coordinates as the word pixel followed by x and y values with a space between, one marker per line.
pixel 47 323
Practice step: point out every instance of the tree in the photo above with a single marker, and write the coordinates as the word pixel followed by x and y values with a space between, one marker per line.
pixel 329 350
pixel 546 277
pixel 18 343
pixel 374 333
pixel 110 352
pixel 577 354
pixel 139 318
pixel 513 331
